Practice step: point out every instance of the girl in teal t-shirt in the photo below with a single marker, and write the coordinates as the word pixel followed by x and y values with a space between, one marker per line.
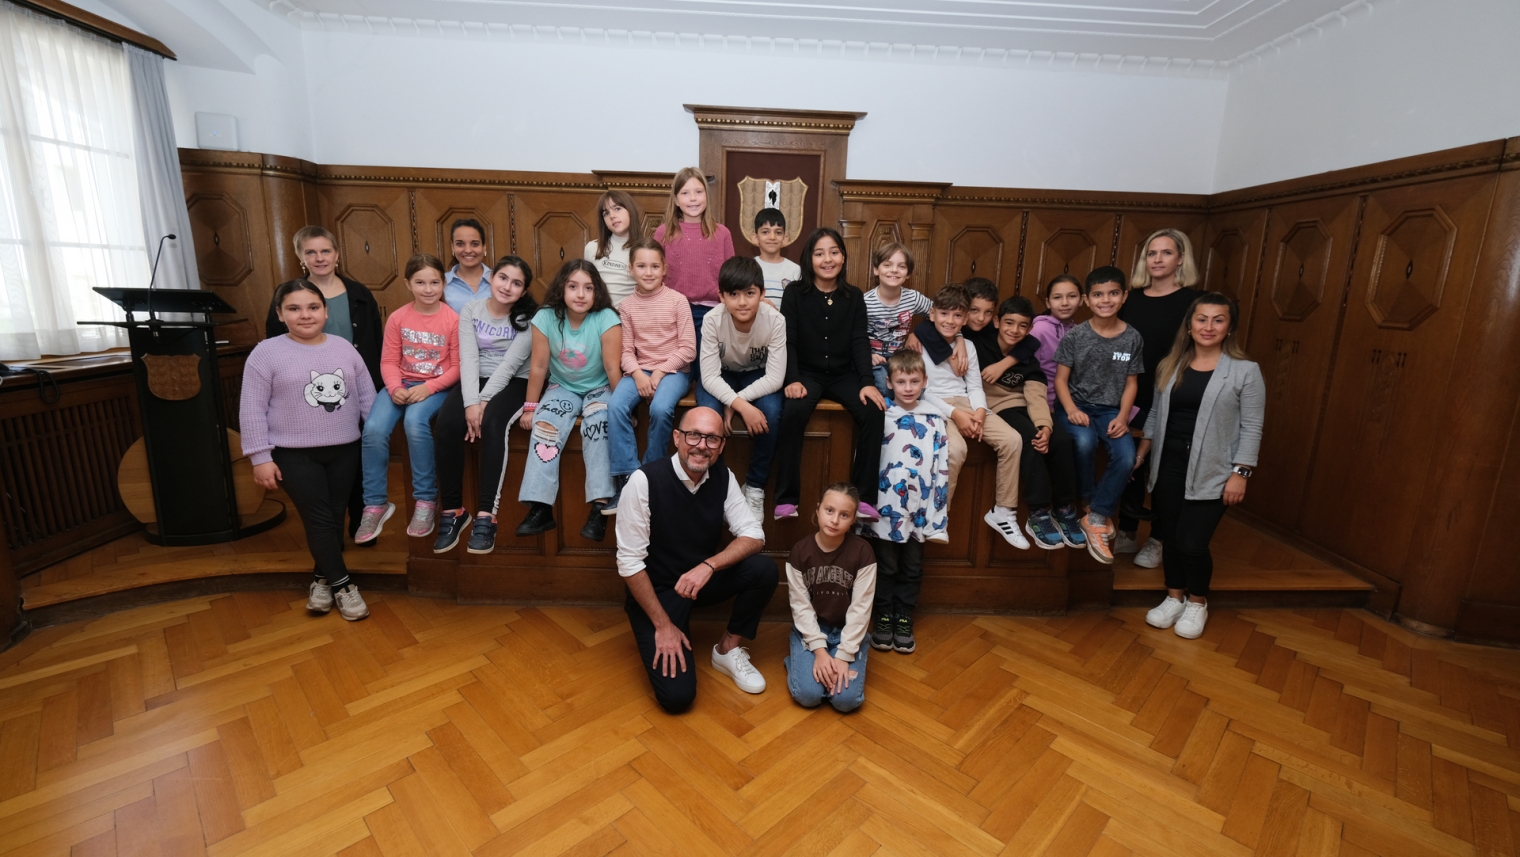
pixel 577 345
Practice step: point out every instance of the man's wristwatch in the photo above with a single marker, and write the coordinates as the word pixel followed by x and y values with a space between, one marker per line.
pixel 1242 472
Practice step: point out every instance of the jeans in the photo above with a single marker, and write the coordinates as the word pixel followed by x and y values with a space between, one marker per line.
pixel 750 583
pixel 762 446
pixel 1184 527
pixel 317 479
pixel 552 423
pixel 417 421
pixel 662 417
pixel 879 374
pixel 698 312
pixel 1104 496
pixel 807 691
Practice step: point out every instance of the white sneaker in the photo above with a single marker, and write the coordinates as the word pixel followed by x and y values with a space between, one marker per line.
pixel 1125 544
pixel 755 497
pixel 1007 525
pixel 321 600
pixel 1149 555
pixel 939 538
pixel 1164 615
pixel 351 604
pixel 736 665
pixel 1190 626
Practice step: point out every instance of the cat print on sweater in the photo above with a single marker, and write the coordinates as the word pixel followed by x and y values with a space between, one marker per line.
pixel 327 391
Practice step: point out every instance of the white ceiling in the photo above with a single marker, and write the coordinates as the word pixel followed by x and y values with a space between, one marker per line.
pixel 1198 35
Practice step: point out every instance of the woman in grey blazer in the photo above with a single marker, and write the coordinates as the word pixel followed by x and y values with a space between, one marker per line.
pixel 1205 430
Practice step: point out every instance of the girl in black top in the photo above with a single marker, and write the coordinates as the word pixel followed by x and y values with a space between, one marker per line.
pixel 1161 292
pixel 352 314
pixel 827 356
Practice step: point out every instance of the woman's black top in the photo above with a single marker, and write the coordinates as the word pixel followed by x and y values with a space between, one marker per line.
pixel 1187 398
pixel 364 312
pixel 826 333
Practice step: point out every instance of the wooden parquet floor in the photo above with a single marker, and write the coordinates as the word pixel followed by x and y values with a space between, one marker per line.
pixel 238 725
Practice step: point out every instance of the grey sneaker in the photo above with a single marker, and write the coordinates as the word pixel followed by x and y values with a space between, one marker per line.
pixel 881 633
pixel 902 635
pixel 351 604
pixel 424 518
pixel 321 600
pixel 372 521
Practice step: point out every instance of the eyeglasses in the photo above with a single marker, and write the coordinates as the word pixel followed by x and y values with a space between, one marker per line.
pixel 696 438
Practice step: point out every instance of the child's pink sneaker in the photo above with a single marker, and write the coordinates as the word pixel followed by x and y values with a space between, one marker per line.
pixel 785 510
pixel 371 522
pixel 867 512
pixel 424 518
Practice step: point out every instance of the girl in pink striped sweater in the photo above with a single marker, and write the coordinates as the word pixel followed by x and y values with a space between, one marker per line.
pixel 659 343
pixel 696 246
pixel 419 361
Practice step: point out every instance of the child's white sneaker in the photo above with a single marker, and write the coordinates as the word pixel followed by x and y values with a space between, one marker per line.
pixel 1149 555
pixel 939 538
pixel 1194 617
pixel 737 666
pixel 1165 614
pixel 1125 544
pixel 321 599
pixel 351 604
pixel 1007 525
pixel 755 497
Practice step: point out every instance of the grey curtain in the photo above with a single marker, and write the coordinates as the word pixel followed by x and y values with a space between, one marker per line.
pixel 160 186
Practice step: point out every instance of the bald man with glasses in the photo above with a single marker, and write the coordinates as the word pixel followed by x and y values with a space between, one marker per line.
pixel 671 515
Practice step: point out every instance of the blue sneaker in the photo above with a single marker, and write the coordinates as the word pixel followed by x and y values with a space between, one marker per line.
pixel 482 535
pixel 1069 521
pixel 1042 529
pixel 450 527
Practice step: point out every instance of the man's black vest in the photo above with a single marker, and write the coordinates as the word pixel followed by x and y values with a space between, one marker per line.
pixel 684 527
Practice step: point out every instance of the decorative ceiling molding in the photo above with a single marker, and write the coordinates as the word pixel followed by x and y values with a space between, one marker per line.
pixel 310 15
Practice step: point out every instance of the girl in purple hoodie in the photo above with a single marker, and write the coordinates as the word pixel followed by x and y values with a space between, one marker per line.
pixel 1063 297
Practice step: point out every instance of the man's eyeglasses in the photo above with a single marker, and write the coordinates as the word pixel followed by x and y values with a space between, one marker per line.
pixel 696 438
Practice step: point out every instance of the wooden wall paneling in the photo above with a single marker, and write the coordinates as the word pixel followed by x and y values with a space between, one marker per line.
pixel 1414 269
pixel 553 228
pixel 1471 499
pixel 1064 241
pixel 979 241
pixel 290 201
pixel 376 236
pixel 235 252
pixel 1230 259
pixel 1309 247
pixel 877 213
pixel 436 208
pixel 1136 226
pixel 650 191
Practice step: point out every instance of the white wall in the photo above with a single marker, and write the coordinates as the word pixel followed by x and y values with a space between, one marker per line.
pixel 1401 78
pixel 410 101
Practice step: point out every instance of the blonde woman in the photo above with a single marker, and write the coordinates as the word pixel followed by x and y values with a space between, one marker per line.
pixel 1161 290
pixel 1202 438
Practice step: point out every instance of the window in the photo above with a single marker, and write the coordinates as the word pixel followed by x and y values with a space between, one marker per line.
pixel 70 217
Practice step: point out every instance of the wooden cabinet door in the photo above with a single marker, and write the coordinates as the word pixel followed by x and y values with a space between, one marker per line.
pixel 980 242
pixel 1308 249
pixel 1415 263
pixel 1135 227
pixel 1064 241
pixel 1229 260
pixel 553 228
pixel 229 228
pixel 376 236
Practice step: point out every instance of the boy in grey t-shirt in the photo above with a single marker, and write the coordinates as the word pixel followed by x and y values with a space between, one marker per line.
pixel 1096 365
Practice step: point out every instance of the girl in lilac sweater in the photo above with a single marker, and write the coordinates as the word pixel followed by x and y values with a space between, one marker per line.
pixel 304 394
pixel 1063 297
pixel 696 246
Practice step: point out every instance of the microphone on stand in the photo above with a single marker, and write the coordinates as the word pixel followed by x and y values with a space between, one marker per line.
pixel 154 273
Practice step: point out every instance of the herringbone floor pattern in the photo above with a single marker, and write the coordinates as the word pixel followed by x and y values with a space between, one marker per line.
pixel 238 725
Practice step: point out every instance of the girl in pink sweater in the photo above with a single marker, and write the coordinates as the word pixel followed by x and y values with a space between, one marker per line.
pixel 696 246
pixel 419 361
pixel 659 343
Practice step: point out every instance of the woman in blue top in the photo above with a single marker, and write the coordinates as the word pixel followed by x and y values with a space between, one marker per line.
pixel 577 346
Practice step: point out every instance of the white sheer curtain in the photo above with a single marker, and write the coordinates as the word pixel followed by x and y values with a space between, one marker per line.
pixel 159 181
pixel 70 217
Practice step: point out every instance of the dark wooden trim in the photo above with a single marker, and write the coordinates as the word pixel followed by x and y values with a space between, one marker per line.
pixel 98 25
pixel 1475 159
pixel 1382 599
pixel 709 117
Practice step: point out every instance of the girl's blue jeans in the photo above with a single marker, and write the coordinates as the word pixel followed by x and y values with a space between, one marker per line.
pixel 417 422
pixel 807 691
pixel 662 415
pixel 553 422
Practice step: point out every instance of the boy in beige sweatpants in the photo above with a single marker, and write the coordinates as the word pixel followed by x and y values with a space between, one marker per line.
pixel 962 398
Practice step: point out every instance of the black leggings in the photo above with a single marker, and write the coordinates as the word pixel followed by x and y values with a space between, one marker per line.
pixel 1048 478
pixel 319 480
pixel 750 583
pixel 448 445
pixel 899 574
pixel 795 413
pixel 1134 492
pixel 1185 527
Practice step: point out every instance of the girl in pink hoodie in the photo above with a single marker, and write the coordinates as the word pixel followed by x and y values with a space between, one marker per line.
pixel 1063 297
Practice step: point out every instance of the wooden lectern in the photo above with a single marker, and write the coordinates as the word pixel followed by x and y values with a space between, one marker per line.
pixel 184 421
